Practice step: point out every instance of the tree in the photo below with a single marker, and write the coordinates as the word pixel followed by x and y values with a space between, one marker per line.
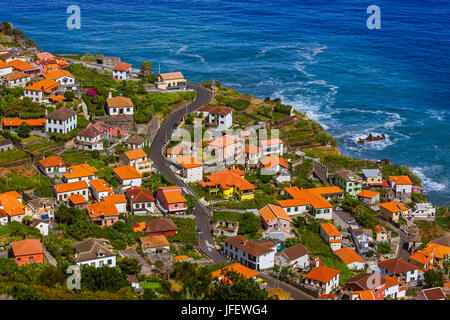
pixel 146 66
pixel 291 242
pixel 106 143
pixel 105 278
pixel 249 225
pixel 129 265
pixel 191 200
pixel 434 278
pixel 196 280
pixel 51 276
pixel 24 130
pixel 69 95
pixel 384 248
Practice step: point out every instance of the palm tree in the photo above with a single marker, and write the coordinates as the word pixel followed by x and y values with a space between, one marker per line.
pixel 146 66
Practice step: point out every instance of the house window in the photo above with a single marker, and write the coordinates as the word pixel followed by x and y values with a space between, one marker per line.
pixel 109 261
pixel 31 260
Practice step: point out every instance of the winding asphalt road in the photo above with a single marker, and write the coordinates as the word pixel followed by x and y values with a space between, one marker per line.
pixel 202 213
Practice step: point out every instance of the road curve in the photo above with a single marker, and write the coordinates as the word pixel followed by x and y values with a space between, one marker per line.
pixel 202 213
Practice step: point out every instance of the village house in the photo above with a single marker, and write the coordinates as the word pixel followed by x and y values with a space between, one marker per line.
pixel 399 268
pixel 128 176
pixel 423 211
pixel 191 169
pixel 363 239
pixel 4 217
pixel 160 226
pixel 52 165
pixel 171 81
pixel 136 158
pixel 324 280
pixel 5 68
pixel 231 183
pixel 252 155
pixel 42 226
pixel 401 185
pixel 381 234
pixel 296 256
pixel 27 251
pixel 331 235
pixel 80 172
pixel 100 189
pixel 65 78
pixel 348 181
pixel 369 197
pixel 439 252
pixel 170 200
pixel 12 203
pixel 12 124
pixel 77 201
pixel 119 201
pixel 393 211
pixel 247 252
pixel 42 208
pixel 366 286
pixel 184 148
pixel 351 258
pixel 89 139
pixel 274 218
pixel 23 66
pixel 64 190
pixel 41 91
pixel 6 144
pixel 61 121
pixel 141 201
pixel 225 149
pixel 15 79
pixel 314 201
pixel 119 106
pixel 154 244
pixel 122 71
pixel 271 146
pixel 422 260
pixel 111 132
pixel 394 288
pixel 371 176
pixel 221 274
pixel 219 116
pixel 431 294
pixel 134 142
pixel 224 228
pixel 94 252
pixel 273 165
pixel 103 213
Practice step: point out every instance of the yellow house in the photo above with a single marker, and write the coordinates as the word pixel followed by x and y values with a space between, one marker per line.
pixel 393 210
pixel 172 80
pixel 231 183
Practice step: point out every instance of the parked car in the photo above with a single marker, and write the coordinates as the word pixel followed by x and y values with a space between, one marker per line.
pixel 350 221
pixel 199 231
pixel 262 283
pixel 338 209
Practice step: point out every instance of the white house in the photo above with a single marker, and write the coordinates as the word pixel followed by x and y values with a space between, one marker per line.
pixel 170 81
pixel 331 235
pixel 362 238
pixel 11 202
pixel 271 146
pixel 89 139
pixel 4 217
pixel 94 252
pixel 219 116
pixel 5 68
pixel 119 201
pixel 128 176
pixel 156 244
pixel 52 165
pixel 80 172
pixel 118 106
pixel 61 121
pixel 191 169
pixel 368 196
pixel 137 158
pixel 64 77
pixel 394 288
pixel 252 154
pixel 423 211
pixel 273 165
pixel 42 226
pixel 141 201
pixel 296 256
pixel 15 79
pixel 351 258
pixel 254 255
pixel 41 91
pixel 64 190
pixel 401 185
pixel 323 279
pixel 400 268
pixel 100 189
pixel 122 71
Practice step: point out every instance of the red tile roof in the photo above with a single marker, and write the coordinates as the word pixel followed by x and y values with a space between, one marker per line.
pixel 26 247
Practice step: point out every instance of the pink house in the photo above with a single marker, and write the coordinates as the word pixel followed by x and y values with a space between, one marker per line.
pixel 170 200
pixel 103 213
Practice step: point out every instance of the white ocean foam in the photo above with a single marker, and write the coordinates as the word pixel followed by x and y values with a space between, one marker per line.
pixel 428 183
pixel 438 115
pixel 184 48
pixel 298 65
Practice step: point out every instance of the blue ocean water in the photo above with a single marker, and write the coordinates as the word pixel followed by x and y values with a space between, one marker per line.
pixel 318 56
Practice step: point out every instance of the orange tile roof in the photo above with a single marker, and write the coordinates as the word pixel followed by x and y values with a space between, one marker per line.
pixel 52 161
pixel 437 250
pixel 119 102
pixel 106 208
pixel 71 186
pixel 223 142
pixel 171 76
pixel 58 74
pixel 135 154
pixel 4 65
pixel 80 170
pixel 349 255
pixel 21 65
pixel 273 160
pixel 45 85
pixel 100 185
pixel 270 142
pixel 139 227
pixel 15 122
pixel 123 66
pixel 15 76
pixel 77 199
pixel 27 247
pixel 421 257
pixel 369 194
pixel 227 179
pixel 188 162
pixel 322 274
pixel 401 179
pixel 11 205
pixel 179 258
pixel 272 212
pixel 392 281
pixel 393 206
pixel 245 272
pixel 330 229
pixel 115 198
pixel 51 67
pixel 251 149
pixel 313 197
pixel 379 229
pixel 154 241
pixel 174 196
pixel 57 98
pixel 365 295
pixel 127 172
